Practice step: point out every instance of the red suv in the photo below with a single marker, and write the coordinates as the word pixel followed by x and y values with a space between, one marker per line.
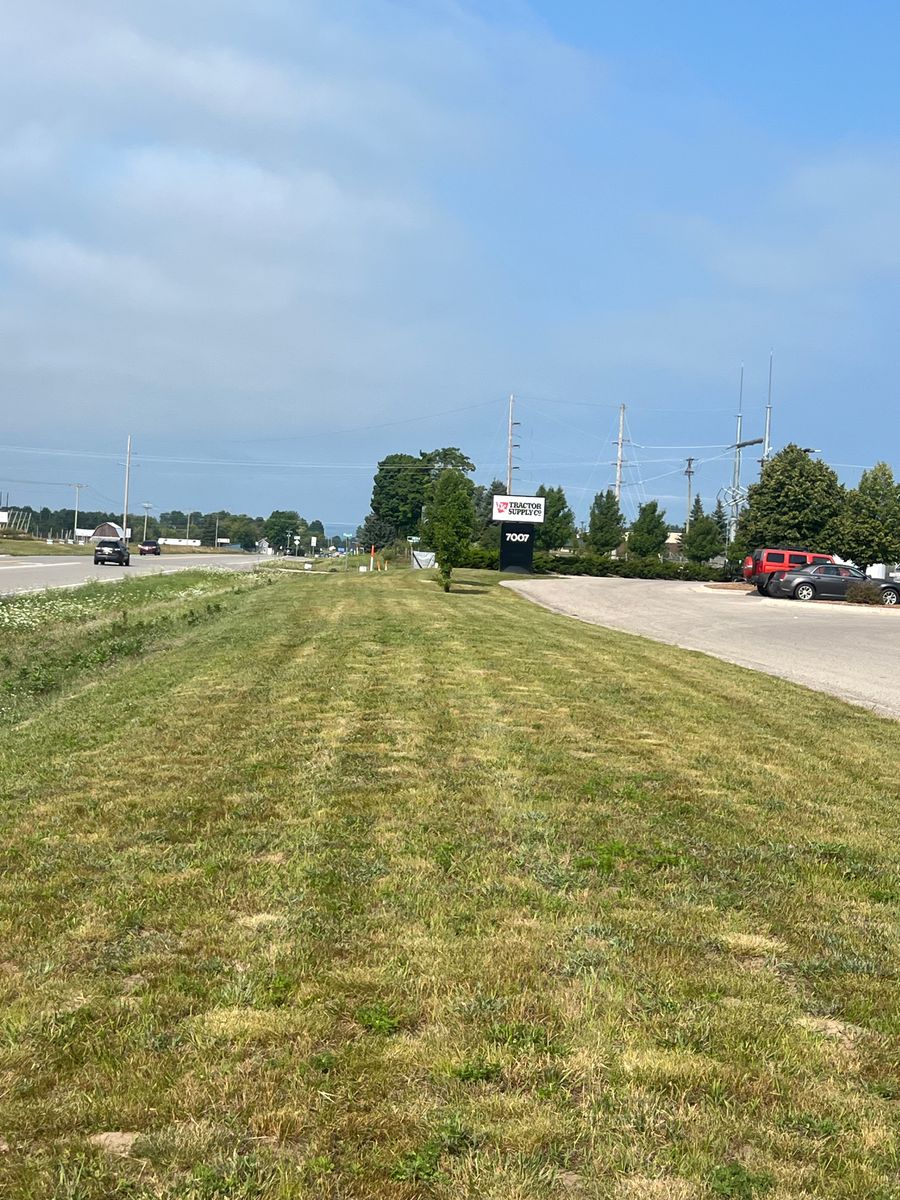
pixel 763 567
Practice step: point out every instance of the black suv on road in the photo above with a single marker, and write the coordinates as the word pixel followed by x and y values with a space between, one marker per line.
pixel 110 550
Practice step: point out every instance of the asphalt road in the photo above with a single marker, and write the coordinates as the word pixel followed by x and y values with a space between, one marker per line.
pixel 850 652
pixel 43 571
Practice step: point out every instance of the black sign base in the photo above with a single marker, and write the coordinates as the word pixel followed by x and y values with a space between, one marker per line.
pixel 517 547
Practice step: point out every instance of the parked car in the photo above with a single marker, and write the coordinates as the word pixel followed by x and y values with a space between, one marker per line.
pixel 829 581
pixel 149 546
pixel 111 550
pixel 760 566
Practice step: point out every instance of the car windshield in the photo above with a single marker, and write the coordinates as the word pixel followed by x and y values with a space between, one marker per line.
pixel 148 542
pixel 107 544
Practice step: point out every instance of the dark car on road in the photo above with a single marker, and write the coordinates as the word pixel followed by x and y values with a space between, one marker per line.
pixel 111 550
pixel 829 581
pixel 149 546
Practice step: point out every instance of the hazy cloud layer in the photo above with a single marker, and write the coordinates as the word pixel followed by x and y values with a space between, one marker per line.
pixel 236 220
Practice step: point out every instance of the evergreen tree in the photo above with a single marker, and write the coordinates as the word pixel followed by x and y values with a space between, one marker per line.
pixel 606 525
pixel 870 526
pixel 703 540
pixel 375 532
pixel 696 510
pixel 484 531
pixel 721 519
pixel 647 538
pixel 448 521
pixel 797 502
pixel 398 493
pixel 558 528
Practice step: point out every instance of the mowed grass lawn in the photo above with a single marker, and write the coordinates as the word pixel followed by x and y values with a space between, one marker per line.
pixel 361 890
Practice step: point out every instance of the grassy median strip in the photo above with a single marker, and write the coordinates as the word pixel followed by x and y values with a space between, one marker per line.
pixel 399 894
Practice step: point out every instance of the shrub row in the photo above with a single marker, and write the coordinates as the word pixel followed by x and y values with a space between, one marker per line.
pixel 478 558
pixel 626 568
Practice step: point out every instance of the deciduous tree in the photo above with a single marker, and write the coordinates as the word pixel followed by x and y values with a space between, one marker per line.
pixel 870 525
pixel 448 521
pixel 797 502
pixel 279 527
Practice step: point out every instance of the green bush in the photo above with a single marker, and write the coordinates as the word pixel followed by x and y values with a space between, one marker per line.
pixel 864 593
pixel 480 558
pixel 626 568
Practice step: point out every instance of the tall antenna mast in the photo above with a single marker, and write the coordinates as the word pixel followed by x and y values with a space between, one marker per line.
pixel 510 445
pixel 619 453
pixel 767 438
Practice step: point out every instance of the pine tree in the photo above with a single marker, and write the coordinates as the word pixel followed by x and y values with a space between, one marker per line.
pixel 647 538
pixel 696 510
pixel 606 525
pixel 703 540
pixel 870 526
pixel 558 528
pixel 721 519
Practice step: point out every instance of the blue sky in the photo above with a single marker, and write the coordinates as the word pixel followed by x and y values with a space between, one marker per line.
pixel 277 241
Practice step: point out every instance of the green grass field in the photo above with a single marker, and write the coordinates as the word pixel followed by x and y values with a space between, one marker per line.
pixel 346 888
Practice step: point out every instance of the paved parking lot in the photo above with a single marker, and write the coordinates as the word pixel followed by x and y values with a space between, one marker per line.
pixel 852 652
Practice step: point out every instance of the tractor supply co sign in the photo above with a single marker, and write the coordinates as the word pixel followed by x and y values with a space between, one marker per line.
pixel 529 509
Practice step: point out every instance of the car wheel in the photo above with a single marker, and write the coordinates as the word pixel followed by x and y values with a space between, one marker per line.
pixel 127 561
pixel 804 591
pixel 761 588
pixel 889 596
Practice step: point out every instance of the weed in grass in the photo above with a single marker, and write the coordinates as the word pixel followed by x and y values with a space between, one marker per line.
pixel 817 1128
pixel 324 1062
pixel 377 1017
pixel 521 1036
pixel 422 1165
pixel 735 1181
pixel 478 1070
pixel 605 857
pixel 237 1178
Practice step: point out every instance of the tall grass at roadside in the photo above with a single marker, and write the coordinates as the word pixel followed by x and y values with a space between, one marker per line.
pixel 53 637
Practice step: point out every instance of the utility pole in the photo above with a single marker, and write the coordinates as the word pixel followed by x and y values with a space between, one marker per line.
pixel 689 471
pixel 187 536
pixel 127 482
pixel 216 538
pixel 146 505
pixel 620 443
pixel 77 487
pixel 510 446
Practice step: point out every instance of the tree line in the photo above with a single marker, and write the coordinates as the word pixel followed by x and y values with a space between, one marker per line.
pixel 798 502
pixel 279 528
pixel 404 490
